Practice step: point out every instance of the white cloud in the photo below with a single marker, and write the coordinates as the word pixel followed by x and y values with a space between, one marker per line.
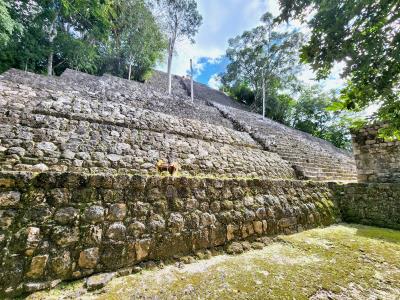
pixel 333 82
pixel 222 20
pixel 214 82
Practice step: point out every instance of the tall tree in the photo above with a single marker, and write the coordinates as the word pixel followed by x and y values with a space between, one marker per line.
pixel 136 42
pixel 7 24
pixel 363 34
pixel 57 34
pixel 261 57
pixel 181 19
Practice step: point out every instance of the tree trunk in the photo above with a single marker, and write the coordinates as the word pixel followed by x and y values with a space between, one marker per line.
pixel 169 74
pixel 130 71
pixel 52 36
pixel 263 94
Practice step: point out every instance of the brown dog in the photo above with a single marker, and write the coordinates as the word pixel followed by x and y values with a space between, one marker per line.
pixel 172 169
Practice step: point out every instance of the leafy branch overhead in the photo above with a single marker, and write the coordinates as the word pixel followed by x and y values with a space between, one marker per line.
pixel 365 36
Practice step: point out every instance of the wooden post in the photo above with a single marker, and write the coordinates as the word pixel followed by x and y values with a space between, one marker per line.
pixel 263 93
pixel 191 80
pixel 170 55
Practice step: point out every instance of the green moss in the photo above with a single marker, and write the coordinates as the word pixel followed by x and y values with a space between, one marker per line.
pixel 387 235
pixel 347 261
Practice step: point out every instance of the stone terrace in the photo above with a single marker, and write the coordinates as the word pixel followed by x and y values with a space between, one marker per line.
pixel 45 127
pixel 313 158
pixel 107 123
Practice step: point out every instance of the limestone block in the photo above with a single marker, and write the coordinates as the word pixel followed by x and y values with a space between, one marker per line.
pixel 258 227
pixel 61 264
pixel 9 199
pixel 235 248
pixel 47 147
pixel 16 150
pixel 59 196
pixel 117 212
pixel 215 207
pixel 142 249
pixel 157 223
pixel 65 236
pixel 92 235
pixel 39 168
pixel 32 239
pixel 116 231
pixel 248 201
pixel 207 219
pixel 37 267
pixel 230 230
pixel 66 215
pixel 89 258
pixel 94 214
pixel 176 222
pixel 96 282
pixel 136 229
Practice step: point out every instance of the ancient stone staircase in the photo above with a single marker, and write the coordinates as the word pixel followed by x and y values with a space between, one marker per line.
pixel 111 101
pixel 313 158
pixel 80 194
pixel 66 124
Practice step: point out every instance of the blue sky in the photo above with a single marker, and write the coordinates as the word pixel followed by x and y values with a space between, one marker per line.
pixel 222 20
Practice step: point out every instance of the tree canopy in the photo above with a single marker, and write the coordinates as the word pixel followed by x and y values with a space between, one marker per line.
pixel 92 36
pixel 264 54
pixel 136 42
pixel 310 114
pixel 7 24
pixel 363 34
pixel 271 56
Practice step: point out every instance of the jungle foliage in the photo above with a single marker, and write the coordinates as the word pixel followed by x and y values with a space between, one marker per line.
pixel 365 36
pixel 47 36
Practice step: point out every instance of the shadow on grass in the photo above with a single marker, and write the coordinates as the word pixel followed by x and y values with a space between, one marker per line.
pixel 384 234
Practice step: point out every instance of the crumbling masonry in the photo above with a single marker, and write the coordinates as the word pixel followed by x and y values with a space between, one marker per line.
pixel 80 192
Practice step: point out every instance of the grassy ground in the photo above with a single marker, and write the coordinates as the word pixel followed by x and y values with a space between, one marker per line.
pixel 338 262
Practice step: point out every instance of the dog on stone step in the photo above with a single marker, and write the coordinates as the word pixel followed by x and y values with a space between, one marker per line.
pixel 171 168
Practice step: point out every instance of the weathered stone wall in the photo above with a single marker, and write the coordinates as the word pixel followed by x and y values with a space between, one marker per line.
pixel 313 158
pixel 203 93
pixel 112 89
pixel 376 204
pixel 65 226
pixel 159 82
pixel 377 160
pixel 42 129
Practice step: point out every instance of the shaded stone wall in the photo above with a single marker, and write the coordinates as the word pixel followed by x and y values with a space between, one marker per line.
pixel 64 226
pixel 377 160
pixel 376 204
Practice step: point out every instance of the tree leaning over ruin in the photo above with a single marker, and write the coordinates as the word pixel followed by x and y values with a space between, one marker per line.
pixel 180 19
pixel 365 36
